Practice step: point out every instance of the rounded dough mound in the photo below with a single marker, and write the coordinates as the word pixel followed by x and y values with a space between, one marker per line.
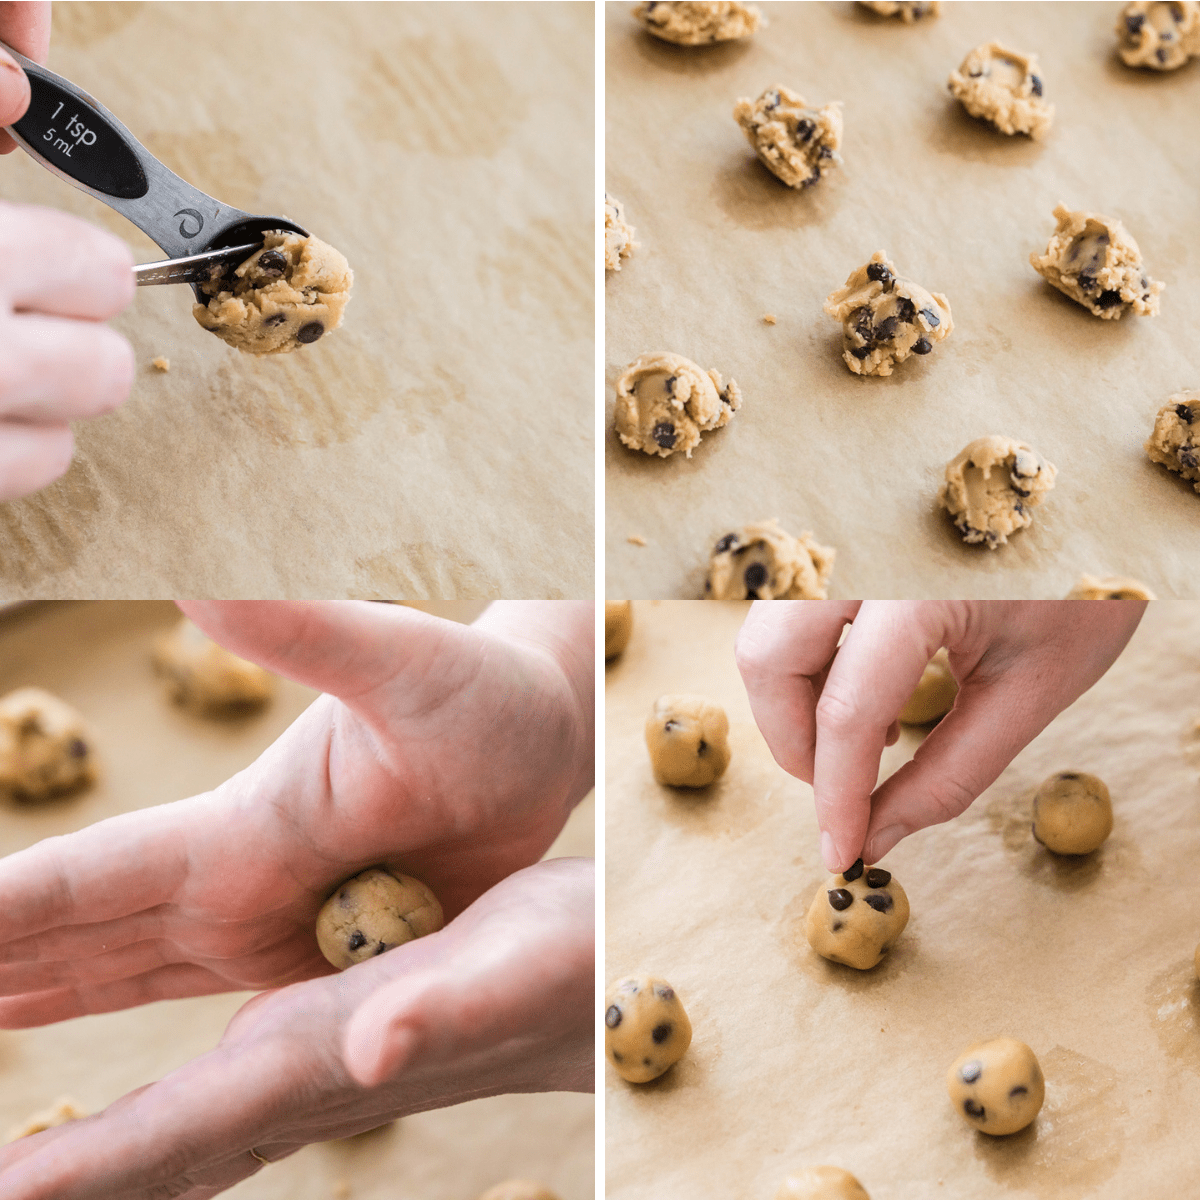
pixel 762 561
pixel 618 626
pixel 519 1189
pixel 1159 34
pixel 1004 88
pixel 688 740
pixel 796 144
pixel 997 1086
pixel 288 294
pixel 373 912
pixel 46 748
pixel 206 677
pixel 934 694
pixel 646 1030
pixel 857 920
pixel 992 485
pixel 698 22
pixel 821 1183
pixel 1072 813
pixel 1111 587
pixel 1175 441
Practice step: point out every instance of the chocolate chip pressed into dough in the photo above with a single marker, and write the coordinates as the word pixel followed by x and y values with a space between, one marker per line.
pixel 665 402
pixel 997 1086
pixel 1003 87
pixel 992 486
pixel 1072 813
pixel 646 1030
pixel 796 143
pixel 1094 260
pixel 46 748
pixel 698 22
pixel 288 294
pixel 856 918
pixel 1159 34
pixel 1111 587
pixel 886 318
pixel 762 561
pixel 821 1183
pixel 618 234
pixel 201 675
pixel 688 741
pixel 1175 439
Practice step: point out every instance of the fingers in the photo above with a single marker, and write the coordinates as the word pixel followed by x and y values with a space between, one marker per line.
pixel 32 457
pixel 26 27
pixel 14 95
pixel 57 264
pixel 782 651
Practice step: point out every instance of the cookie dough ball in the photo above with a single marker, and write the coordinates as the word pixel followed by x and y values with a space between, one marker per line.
pixel 992 487
pixel 60 1112
pixel 646 1030
pixel 934 695
pixel 45 746
pixel 859 918
pixel 1175 441
pixel 1094 260
pixel 206 677
pixel 796 143
pixel 688 740
pixel 1004 88
pixel 665 401
pixel 762 561
pixel 1111 587
pixel 907 10
pixel 618 625
pixel 288 294
pixel 821 1183
pixel 375 911
pixel 698 23
pixel 1159 34
pixel 886 318
pixel 997 1086
pixel 519 1189
pixel 618 235
pixel 1072 813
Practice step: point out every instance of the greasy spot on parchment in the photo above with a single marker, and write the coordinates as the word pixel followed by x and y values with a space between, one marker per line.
pixel 443 95
pixel 83 24
pixel 214 162
pixel 1173 999
pixel 421 571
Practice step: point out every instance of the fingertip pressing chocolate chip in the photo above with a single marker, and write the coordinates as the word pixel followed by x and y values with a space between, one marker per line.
pixel 851 873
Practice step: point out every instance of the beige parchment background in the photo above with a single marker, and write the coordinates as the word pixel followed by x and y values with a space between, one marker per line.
pixel 447 151
pixel 959 208
pixel 797 1061
pixel 97 657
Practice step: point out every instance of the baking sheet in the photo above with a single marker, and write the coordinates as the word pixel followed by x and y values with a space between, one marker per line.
pixel 97 657
pixel 796 1061
pixel 959 208
pixel 447 151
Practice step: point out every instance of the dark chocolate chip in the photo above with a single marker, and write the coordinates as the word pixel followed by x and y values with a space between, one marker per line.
pixel 1019 491
pixel 752 596
pixel 78 748
pixel 804 129
pixel 1086 280
pixel 906 310
pixel 755 576
pixel 726 543
pixel 664 434
pixel 700 749
pixel 850 874
pixel 970 1071
pixel 380 949
pixel 1188 457
pixel 886 329
pixel 1108 298
pixel 840 899
pixel 879 273
pixel 1134 22
pixel 645 1062
pixel 860 351
pixel 1184 413
pixel 1161 55
pixel 1036 84
pixel 665 993
pixel 837 926
pixel 1019 1090
pixel 272 264
pixel 725 398
pixel 877 877
pixel 922 346
pixel 276 319
pixel 309 332
pixel 618 1056
pixel 661 1032
pixel 931 317
pixel 669 383
pixel 357 941
pixel 670 725
pixel 825 152
pixel 974 1109
pixel 880 902
pixel 612 1017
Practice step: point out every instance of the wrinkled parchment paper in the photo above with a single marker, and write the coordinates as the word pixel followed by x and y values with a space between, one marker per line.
pixel 796 1061
pixel 96 656
pixel 958 207
pixel 446 150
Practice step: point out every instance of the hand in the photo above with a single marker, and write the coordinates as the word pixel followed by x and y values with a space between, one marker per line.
pixel 827 713
pixel 455 755
pixel 500 1000
pixel 26 28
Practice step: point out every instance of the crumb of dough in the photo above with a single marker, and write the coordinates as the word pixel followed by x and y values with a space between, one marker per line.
pixel 64 1109
pixel 768 318
pixel 636 539
pixel 161 364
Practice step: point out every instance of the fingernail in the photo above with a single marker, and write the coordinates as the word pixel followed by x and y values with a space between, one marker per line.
pixel 829 854
pixel 885 840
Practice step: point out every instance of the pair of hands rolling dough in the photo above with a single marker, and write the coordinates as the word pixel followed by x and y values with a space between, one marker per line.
pixel 452 752
pixel 827 712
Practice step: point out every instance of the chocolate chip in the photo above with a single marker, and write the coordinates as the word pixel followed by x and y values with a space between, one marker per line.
pixel 860 351
pixel 922 346
pixel 837 926
pixel 726 543
pixel 645 1062
pixel 824 152
pixel 1134 22
pixel 78 748
pixel 886 329
pixel 804 129
pixel 1019 1090
pixel 877 877
pixel 1086 280
pixel 970 1071
pixel 272 264
pixel 840 899
pixel 665 993
pixel 1020 491
pixel 755 576
pixel 879 273
pixel 356 942
pixel 1036 84
pixel 618 1056
pixel 931 317
pixel 276 319
pixel 380 949
pixel 660 1033
pixel 725 398
pixel 669 383
pixel 664 434
pixel 612 1017
pixel 670 725
pixel 309 332
pixel 880 903
pixel 1188 457
pixel 1161 55
pixel 850 874
pixel 974 1109
pixel 1108 298
pixel 1184 413
pixel 700 749
pixel 906 310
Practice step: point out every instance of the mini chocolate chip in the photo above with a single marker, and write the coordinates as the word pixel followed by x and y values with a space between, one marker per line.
pixel 755 576
pixel 271 264
pixel 825 152
pixel 1108 298
pixel 1188 457
pixel 612 1017
pixel 931 317
pixel 1102 238
pixel 1134 22
pixel 804 129
pixel 1086 279
pixel 661 1032
pixel 618 1056
pixel 837 926
pixel 356 942
pixel 670 725
pixel 276 319
pixel 860 351
pixel 974 1109
pixel 906 310
pixel 700 749
pixel 879 273
pixel 1019 1090
pixel 886 329
pixel 922 346
pixel 1184 413
pixel 752 596
pixel 669 383
pixel 664 434
pixel 877 877
pixel 1019 509
pixel 970 1071
pixel 1161 55
pixel 881 902
pixel 1036 84
pixel 309 332
pixel 78 748
pixel 1145 282
pixel 725 397
pixel 1020 491
pixel 665 993
pixel 726 543
pixel 840 899
pixel 380 949
pixel 851 873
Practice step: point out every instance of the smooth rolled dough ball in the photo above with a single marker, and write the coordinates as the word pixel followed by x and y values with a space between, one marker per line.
pixel 934 694
pixel 1072 813
pixel 688 740
pixel 373 912
pixel 821 1183
pixel 45 747
pixel 997 1086
pixel 859 918
pixel 646 1030
pixel 519 1189
pixel 206 677
pixel 618 625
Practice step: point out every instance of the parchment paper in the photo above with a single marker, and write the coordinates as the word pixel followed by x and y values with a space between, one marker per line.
pixel 446 150
pixel 958 207
pixel 796 1061
pixel 96 656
